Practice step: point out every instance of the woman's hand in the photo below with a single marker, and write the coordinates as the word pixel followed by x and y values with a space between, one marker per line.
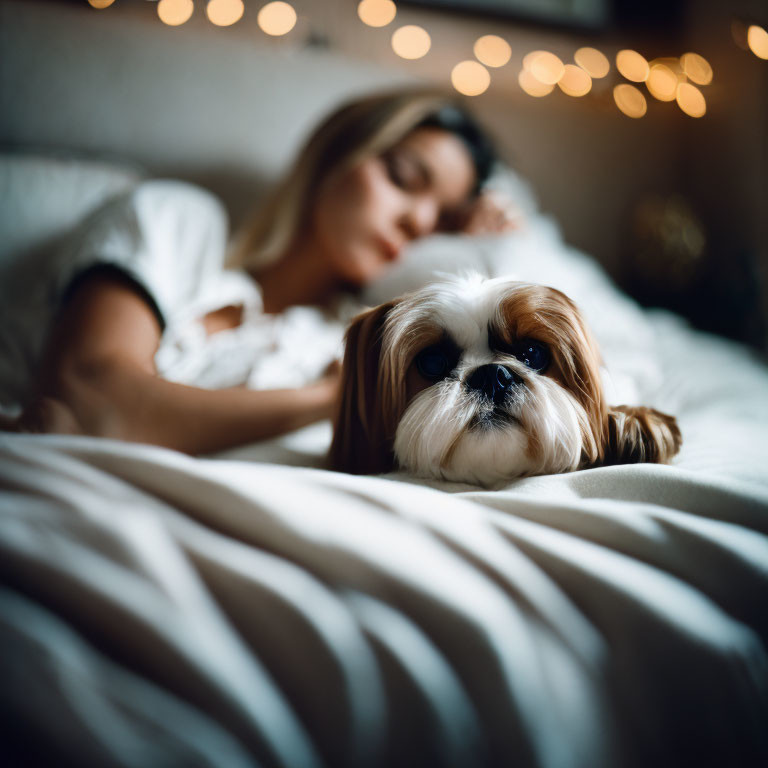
pixel 44 415
pixel 328 387
pixel 491 213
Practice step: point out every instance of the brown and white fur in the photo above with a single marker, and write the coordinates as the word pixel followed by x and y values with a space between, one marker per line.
pixel 491 417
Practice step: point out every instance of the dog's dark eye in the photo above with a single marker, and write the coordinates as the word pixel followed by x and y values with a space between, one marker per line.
pixel 532 353
pixel 433 363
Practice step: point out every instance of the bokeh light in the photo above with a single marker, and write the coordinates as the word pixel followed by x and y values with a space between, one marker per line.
pixel 411 42
pixel 739 34
pixel 593 62
pixel 492 50
pixel 545 67
pixel 575 81
pixel 528 59
pixel 632 65
pixel 691 100
pixel 376 13
pixel 175 12
pixel 470 78
pixel 662 83
pixel 532 86
pixel 757 40
pixel 630 100
pixel 100 3
pixel 224 13
pixel 277 18
pixel 672 64
pixel 697 68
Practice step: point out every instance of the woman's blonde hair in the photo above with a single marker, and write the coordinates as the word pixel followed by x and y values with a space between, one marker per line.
pixel 359 129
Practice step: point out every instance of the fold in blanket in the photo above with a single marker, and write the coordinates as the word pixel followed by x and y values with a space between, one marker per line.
pixel 159 609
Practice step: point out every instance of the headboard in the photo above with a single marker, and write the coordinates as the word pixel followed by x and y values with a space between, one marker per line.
pixel 221 109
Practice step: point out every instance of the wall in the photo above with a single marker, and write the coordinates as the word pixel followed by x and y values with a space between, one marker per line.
pixel 591 166
pixel 726 175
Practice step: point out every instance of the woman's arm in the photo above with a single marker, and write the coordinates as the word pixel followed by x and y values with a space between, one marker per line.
pixel 98 378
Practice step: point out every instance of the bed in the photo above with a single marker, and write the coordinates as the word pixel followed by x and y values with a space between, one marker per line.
pixel 253 608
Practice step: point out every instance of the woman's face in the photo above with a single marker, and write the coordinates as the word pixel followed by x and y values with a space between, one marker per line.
pixel 364 217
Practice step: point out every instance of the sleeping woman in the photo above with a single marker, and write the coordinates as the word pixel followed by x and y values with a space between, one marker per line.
pixel 143 281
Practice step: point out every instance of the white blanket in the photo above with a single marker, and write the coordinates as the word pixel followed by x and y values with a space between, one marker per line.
pixel 164 610
pixel 255 609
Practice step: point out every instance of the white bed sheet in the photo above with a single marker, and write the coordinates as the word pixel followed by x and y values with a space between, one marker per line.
pixel 301 617
pixel 162 609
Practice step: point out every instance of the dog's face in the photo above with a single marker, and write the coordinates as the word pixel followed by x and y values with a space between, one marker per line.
pixel 482 381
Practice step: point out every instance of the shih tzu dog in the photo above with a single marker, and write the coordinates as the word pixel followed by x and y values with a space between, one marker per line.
pixel 481 381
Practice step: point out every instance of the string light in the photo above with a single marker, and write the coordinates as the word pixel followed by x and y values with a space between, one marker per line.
pixel 696 68
pixel 739 34
pixel 667 79
pixel 492 50
pixel 376 13
pixel 575 81
pixel 593 62
pixel 672 64
pixel 630 100
pixel 411 42
pixel 546 67
pixel 528 59
pixel 224 13
pixel 175 12
pixel 277 18
pixel 662 83
pixel 757 40
pixel 632 65
pixel 532 86
pixel 470 78
pixel 691 100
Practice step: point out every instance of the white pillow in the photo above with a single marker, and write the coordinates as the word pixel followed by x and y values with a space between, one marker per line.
pixel 536 253
pixel 43 197
pixel 425 259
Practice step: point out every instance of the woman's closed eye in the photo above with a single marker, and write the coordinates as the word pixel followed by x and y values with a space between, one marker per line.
pixel 405 171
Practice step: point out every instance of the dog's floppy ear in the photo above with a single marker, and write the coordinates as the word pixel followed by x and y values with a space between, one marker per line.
pixel 637 435
pixel 361 443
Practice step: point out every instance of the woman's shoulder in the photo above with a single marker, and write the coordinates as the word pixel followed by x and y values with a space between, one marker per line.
pixel 155 208
pixel 167 235
pixel 164 195
pixel 179 209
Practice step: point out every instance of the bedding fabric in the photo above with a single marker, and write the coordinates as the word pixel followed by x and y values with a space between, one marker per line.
pixel 159 609
pixel 255 609
pixel 165 610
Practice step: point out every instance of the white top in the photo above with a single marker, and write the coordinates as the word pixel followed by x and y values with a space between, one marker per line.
pixel 171 238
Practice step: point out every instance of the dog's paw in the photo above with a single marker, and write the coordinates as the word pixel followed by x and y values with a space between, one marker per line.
pixel 637 434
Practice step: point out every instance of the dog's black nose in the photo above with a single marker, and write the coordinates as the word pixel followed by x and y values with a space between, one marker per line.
pixel 494 381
